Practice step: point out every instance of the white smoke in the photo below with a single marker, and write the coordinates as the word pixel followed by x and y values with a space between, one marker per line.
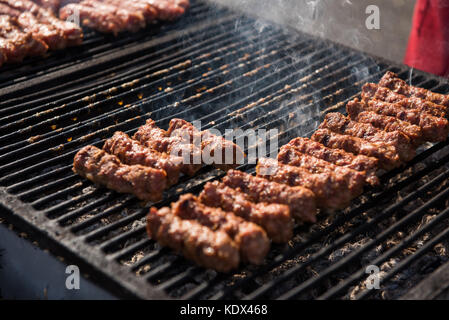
pixel 340 20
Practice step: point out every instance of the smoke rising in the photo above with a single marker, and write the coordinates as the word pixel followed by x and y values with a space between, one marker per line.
pixel 340 20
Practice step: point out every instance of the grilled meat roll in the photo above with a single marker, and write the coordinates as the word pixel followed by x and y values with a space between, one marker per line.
pixel 275 219
pixel 154 137
pixel 375 91
pixel 207 248
pixel 144 11
pixel 52 5
pixel 103 17
pixel 391 124
pixel 168 9
pixel 341 124
pixel 434 128
pixel 158 139
pixel 341 158
pixel 43 24
pixel 72 33
pixel 9 11
pixel 131 152
pixel 23 6
pixel 223 154
pixel 115 16
pixel 292 157
pixel 47 33
pixel 251 239
pixel 301 201
pixel 16 44
pixel 332 191
pixel 391 81
pixel 96 165
pixel 182 3
pixel 387 155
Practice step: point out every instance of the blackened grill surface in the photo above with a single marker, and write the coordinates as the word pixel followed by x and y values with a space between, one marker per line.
pixel 228 71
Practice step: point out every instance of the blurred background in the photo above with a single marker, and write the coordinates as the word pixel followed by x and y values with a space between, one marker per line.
pixel 342 21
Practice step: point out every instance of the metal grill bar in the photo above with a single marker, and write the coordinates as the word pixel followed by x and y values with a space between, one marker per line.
pixel 174 54
pixel 126 252
pixel 387 255
pixel 383 236
pixel 148 258
pixel 409 260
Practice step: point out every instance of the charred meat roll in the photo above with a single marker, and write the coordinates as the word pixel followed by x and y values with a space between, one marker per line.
pixel 387 155
pixel 434 129
pixel 251 239
pixel 154 137
pixel 129 19
pixel 332 191
pixel 104 17
pixel 374 91
pixel 368 165
pixel 301 201
pixel 12 50
pixel 145 183
pixel 221 153
pixel 391 124
pixel 207 248
pixel 131 152
pixel 275 219
pixel 392 81
pixel 73 34
pixel 157 139
pixel 168 9
pixel 292 157
pixel 341 124
pixel 16 44
pixel 35 18
pixel 144 11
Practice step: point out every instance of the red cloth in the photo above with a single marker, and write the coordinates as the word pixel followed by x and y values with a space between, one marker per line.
pixel 428 47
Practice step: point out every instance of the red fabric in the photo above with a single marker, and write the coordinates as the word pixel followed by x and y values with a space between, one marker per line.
pixel 428 47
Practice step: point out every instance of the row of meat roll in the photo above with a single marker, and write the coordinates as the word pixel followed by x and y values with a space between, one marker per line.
pixel 153 159
pixel 235 219
pixel 29 28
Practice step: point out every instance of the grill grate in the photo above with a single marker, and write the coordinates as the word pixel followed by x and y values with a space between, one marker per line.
pixel 229 71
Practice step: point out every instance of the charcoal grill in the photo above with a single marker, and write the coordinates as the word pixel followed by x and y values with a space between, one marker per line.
pixel 231 72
